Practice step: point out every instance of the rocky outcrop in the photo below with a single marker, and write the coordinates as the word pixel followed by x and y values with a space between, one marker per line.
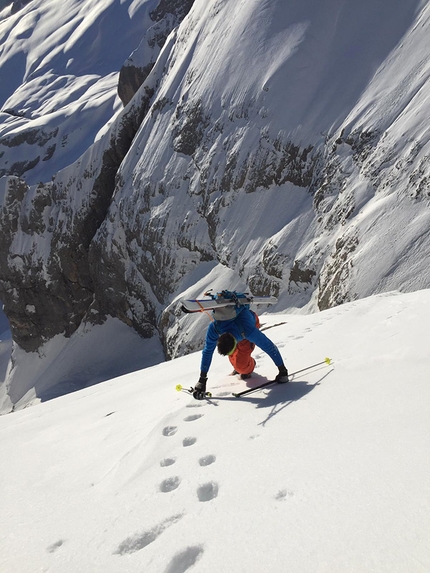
pixel 131 77
pixel 165 17
pixel 18 5
pixel 43 143
pixel 47 285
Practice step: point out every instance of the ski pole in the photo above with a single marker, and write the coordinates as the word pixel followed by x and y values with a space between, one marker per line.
pixel 325 361
pixel 249 390
pixel 180 388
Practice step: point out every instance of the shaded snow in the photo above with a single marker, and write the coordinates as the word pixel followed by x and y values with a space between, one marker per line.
pixel 62 365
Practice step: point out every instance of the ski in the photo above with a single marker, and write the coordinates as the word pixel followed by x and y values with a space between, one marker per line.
pixel 327 361
pixel 190 390
pixel 202 305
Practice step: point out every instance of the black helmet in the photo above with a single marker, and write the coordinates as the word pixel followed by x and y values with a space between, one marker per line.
pixel 226 344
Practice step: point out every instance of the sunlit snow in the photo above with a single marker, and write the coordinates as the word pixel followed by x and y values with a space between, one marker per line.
pixel 326 474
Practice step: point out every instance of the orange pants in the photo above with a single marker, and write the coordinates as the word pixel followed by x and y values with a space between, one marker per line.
pixel 241 359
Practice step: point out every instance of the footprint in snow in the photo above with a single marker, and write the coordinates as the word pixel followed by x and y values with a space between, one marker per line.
pixel 52 548
pixel 167 462
pixel 170 430
pixel 185 559
pixel 207 460
pixel 207 491
pixel 193 417
pixel 170 484
pixel 141 540
pixel 188 442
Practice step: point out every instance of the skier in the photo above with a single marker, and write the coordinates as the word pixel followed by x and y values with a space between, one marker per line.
pixel 237 338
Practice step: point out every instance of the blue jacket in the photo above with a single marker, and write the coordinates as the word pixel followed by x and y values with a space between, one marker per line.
pixel 241 327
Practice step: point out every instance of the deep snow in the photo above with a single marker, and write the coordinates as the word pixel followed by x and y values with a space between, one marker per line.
pixel 327 474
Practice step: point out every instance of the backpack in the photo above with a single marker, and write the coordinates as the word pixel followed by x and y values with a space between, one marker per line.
pixel 229 312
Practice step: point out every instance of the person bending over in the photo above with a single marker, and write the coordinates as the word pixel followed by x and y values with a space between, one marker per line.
pixel 237 338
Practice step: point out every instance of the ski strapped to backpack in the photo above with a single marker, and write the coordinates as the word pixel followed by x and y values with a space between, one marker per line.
pixel 234 301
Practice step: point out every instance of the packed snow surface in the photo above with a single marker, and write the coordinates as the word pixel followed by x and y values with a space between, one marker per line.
pixel 326 474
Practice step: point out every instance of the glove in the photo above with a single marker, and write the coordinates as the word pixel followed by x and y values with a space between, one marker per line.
pixel 282 377
pixel 200 388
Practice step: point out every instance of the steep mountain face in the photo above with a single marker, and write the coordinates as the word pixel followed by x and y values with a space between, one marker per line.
pixel 62 308
pixel 283 147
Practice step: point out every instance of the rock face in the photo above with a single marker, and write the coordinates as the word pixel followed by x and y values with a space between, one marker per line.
pixel 164 18
pixel 231 167
pixel 18 4
pixel 51 265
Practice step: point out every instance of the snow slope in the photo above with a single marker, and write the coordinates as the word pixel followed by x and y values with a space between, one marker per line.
pixel 91 355
pixel 326 474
